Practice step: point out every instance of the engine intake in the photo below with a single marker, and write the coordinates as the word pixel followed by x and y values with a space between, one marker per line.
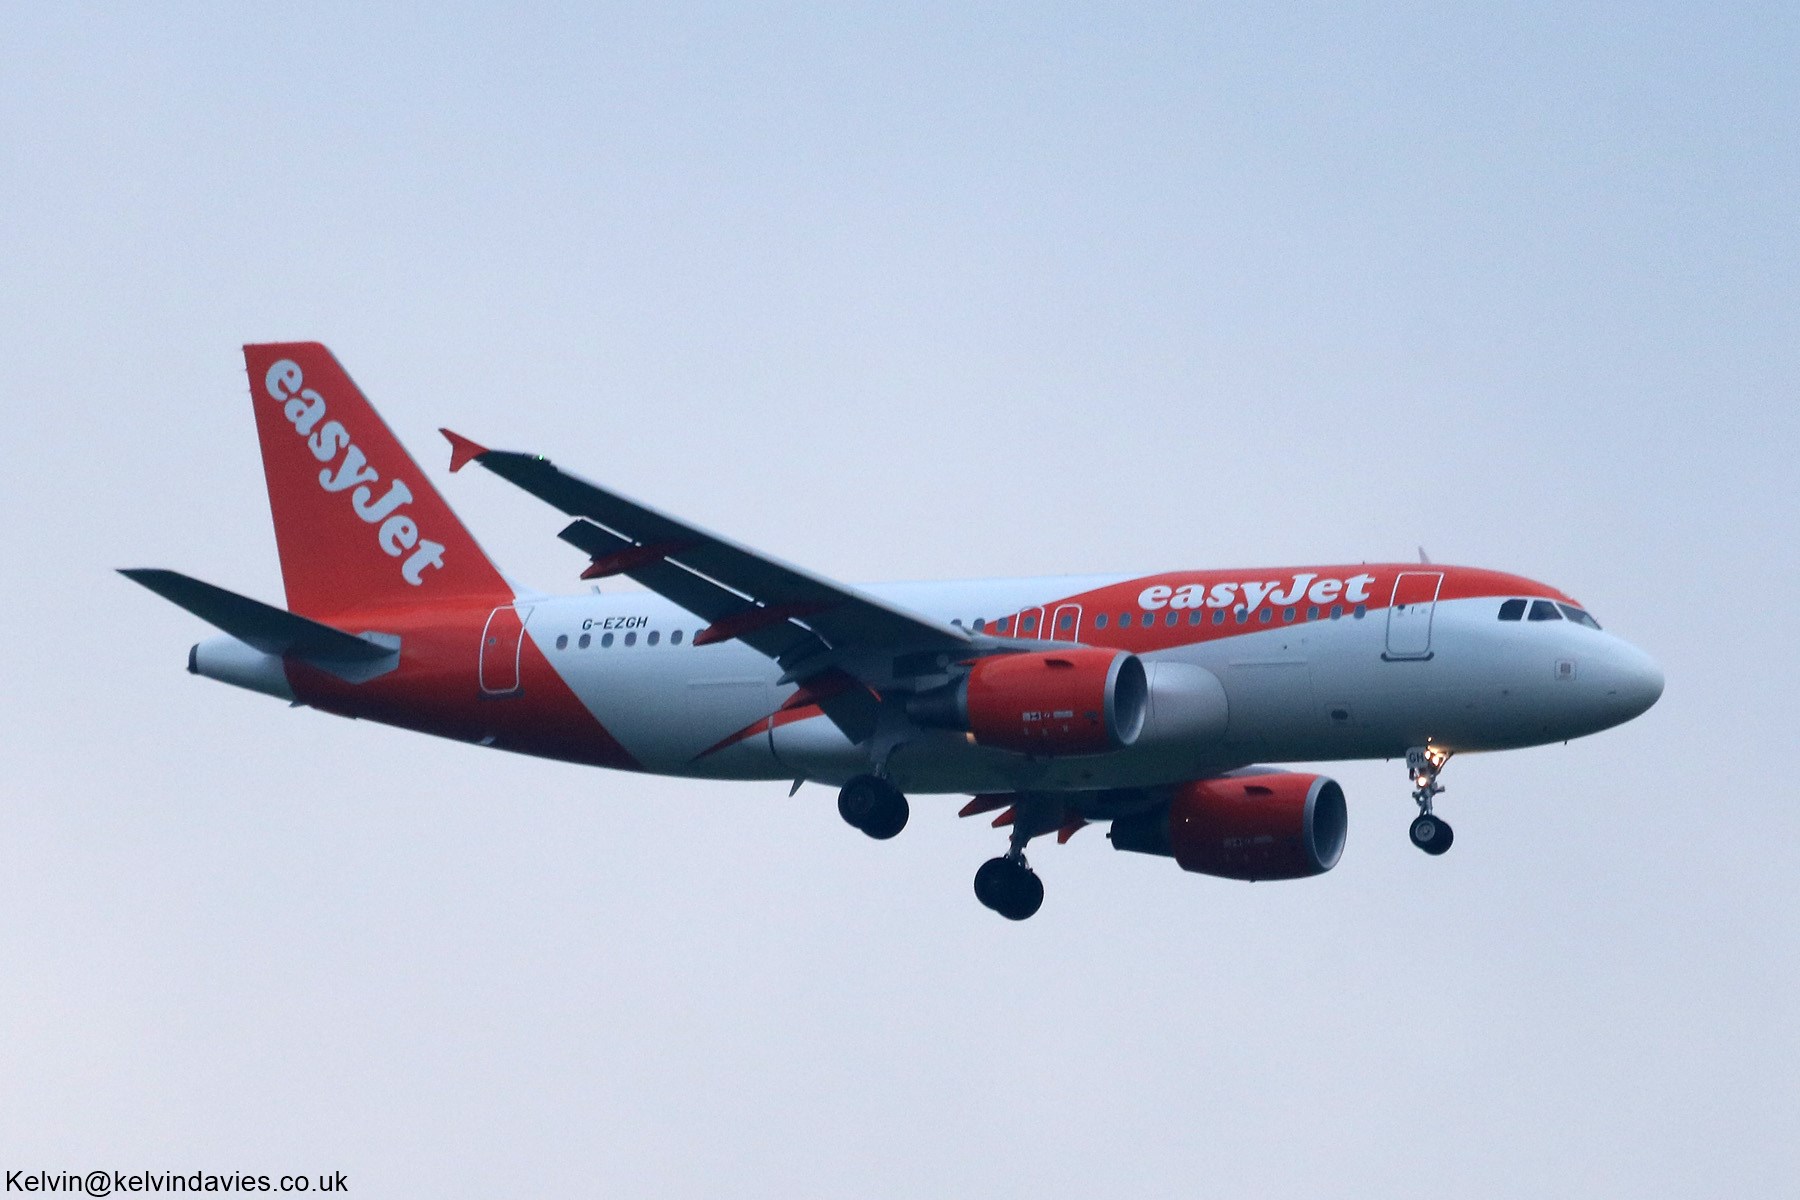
pixel 1055 702
pixel 1273 825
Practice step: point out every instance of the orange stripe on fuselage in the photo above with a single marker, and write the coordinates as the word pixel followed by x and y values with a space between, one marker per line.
pixel 787 714
pixel 1173 600
pixel 437 689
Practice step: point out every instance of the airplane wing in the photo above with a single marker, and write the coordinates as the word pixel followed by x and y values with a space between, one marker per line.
pixel 812 626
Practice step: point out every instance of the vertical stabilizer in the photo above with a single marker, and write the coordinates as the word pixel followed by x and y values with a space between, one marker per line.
pixel 357 523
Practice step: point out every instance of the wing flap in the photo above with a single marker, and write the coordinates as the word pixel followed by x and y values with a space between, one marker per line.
pixel 770 632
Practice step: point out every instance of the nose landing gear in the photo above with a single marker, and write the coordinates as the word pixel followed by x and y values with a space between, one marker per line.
pixel 1429 832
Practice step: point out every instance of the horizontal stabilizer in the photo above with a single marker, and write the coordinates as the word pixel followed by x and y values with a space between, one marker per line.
pixel 269 629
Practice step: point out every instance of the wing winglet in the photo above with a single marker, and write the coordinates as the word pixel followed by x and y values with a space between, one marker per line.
pixel 462 450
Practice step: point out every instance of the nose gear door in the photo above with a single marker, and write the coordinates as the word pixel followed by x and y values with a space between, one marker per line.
pixel 1410 613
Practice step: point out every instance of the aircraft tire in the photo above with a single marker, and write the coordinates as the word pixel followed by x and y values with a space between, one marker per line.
pixel 1009 888
pixel 1026 895
pixel 990 882
pixel 889 817
pixel 1432 834
pixel 858 800
pixel 873 805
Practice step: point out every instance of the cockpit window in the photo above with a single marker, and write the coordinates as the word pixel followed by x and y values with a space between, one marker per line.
pixel 1512 610
pixel 1578 616
pixel 1543 610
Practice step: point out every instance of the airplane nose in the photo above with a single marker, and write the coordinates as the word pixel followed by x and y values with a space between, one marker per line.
pixel 1638 681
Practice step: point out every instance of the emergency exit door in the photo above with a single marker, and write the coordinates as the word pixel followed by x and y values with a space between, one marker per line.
pixel 1410 614
pixel 502 645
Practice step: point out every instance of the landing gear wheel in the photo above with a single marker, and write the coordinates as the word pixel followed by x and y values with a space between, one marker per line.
pixel 1009 887
pixel 889 819
pixel 1432 834
pixel 990 881
pixel 873 805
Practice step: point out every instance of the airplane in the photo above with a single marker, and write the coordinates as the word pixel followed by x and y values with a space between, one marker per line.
pixel 1152 703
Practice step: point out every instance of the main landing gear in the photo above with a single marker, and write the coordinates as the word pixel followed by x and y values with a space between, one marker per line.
pixel 1007 884
pixel 873 805
pixel 1429 832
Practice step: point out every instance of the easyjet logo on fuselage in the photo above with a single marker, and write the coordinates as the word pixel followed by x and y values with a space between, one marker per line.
pixel 1303 585
pixel 398 532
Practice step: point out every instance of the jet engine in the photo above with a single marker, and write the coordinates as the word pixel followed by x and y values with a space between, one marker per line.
pixel 1056 702
pixel 1267 825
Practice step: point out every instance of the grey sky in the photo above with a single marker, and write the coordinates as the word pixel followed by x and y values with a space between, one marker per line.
pixel 894 292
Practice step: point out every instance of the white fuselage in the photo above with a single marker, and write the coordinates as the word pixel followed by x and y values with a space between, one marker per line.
pixel 1297 691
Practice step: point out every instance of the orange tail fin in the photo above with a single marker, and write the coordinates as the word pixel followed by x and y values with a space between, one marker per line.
pixel 357 523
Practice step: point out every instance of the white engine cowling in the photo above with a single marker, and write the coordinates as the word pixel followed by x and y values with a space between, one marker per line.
pixel 1187 706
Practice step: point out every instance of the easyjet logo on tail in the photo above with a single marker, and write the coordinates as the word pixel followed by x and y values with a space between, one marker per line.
pixel 398 532
pixel 1307 584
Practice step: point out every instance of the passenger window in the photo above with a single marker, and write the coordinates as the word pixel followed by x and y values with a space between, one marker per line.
pixel 1171 618
pixel 1194 616
pixel 1579 616
pixel 1287 614
pixel 585 639
pixel 1124 620
pixel 980 624
pixel 1218 616
pixel 1362 610
pixel 606 640
pixel 562 641
pixel 675 637
pixel 1543 610
pixel 1243 614
pixel 1028 625
pixel 631 639
pixel 655 637
pixel 1337 610
pixel 1066 622
pixel 1099 620
pixel 1264 615
pixel 1005 625
pixel 1512 610
pixel 1312 612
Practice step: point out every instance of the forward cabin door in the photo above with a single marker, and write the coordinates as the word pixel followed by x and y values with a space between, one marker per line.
pixel 502 642
pixel 1409 616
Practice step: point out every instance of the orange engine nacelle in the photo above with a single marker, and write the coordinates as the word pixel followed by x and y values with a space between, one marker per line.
pixel 1273 825
pixel 1057 702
